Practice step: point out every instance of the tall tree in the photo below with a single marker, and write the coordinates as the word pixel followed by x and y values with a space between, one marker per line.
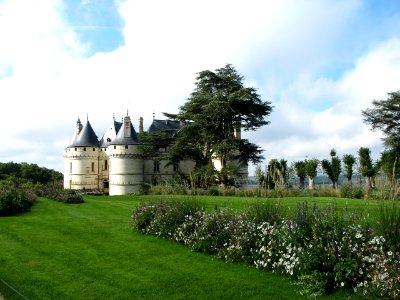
pixel 311 171
pixel 332 168
pixel 348 160
pixel 301 171
pixel 216 111
pixel 385 116
pixel 389 164
pixel 367 168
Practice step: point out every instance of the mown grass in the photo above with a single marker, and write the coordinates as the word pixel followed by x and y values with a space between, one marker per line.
pixel 89 251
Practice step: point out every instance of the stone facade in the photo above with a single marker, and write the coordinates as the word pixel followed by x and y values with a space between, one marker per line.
pixel 114 164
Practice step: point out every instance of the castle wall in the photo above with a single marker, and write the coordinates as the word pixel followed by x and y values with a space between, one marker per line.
pixel 126 169
pixel 81 168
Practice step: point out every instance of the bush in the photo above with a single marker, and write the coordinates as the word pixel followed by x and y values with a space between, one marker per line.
pixel 62 195
pixel 324 250
pixel 16 200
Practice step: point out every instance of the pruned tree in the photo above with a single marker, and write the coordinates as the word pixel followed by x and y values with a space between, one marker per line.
pixel 301 172
pixel 366 166
pixel 311 171
pixel 348 160
pixel 332 168
pixel 213 116
pixel 389 164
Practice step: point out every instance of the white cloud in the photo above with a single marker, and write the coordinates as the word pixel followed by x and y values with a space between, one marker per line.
pixel 287 49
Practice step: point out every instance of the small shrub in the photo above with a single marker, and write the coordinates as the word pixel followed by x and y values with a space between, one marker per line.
pixel 16 200
pixel 63 195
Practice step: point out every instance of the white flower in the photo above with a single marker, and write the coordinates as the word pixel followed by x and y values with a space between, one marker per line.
pixel 342 283
pixel 390 253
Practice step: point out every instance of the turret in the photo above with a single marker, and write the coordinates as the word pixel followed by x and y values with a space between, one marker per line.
pixel 81 159
pixel 126 161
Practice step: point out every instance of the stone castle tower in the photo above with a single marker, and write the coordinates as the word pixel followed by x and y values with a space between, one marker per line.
pixel 114 163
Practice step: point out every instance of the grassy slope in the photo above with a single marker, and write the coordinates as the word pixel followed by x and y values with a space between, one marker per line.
pixel 89 251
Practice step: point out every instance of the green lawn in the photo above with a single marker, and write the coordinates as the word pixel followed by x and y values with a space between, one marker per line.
pixel 89 251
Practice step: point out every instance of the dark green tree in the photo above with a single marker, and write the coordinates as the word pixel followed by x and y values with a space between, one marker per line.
pixel 332 168
pixel 301 171
pixel 213 117
pixel 367 168
pixel 311 171
pixel 385 116
pixel 389 164
pixel 348 160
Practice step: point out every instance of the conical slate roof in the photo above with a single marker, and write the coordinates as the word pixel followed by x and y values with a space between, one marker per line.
pixel 86 138
pixel 121 139
pixel 110 134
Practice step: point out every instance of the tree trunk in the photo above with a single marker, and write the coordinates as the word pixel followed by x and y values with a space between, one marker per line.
pixel 311 184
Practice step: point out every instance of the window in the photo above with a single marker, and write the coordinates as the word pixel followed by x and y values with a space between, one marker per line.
pixel 70 167
pixel 156 166
pixel 76 149
pixel 94 149
pixel 92 166
pixel 176 166
pixel 105 165
pixel 84 149
pixel 126 146
pixel 115 147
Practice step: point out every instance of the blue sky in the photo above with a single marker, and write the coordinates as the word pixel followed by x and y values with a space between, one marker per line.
pixel 319 62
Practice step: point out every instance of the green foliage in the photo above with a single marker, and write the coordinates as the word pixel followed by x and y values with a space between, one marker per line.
pixel 219 105
pixel 311 170
pixel 389 224
pixel 367 168
pixel 30 172
pixel 301 171
pixel 265 211
pixel 385 116
pixel 332 168
pixel 351 192
pixel 348 160
pixel 15 200
pixel 324 249
pixel 63 195
pixel 389 164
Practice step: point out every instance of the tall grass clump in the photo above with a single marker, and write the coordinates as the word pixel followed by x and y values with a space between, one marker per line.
pixel 323 249
pixel 389 224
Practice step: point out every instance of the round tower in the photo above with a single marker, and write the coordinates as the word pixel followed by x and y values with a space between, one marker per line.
pixel 81 160
pixel 126 161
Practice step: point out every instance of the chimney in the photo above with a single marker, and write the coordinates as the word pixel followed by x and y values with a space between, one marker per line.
pixel 140 125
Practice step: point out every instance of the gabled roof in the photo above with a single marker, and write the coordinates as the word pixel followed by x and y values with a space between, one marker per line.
pixel 160 125
pixel 120 139
pixel 86 138
pixel 110 134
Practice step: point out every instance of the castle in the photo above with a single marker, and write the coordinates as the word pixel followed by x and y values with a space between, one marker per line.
pixel 116 164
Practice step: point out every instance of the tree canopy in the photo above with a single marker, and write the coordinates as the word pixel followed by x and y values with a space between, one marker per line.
pixel 213 115
pixel 385 116
pixel 30 172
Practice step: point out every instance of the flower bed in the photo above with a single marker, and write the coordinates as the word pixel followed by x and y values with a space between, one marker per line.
pixel 324 250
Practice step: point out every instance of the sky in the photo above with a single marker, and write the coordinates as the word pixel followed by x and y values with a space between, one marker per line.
pixel 319 62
